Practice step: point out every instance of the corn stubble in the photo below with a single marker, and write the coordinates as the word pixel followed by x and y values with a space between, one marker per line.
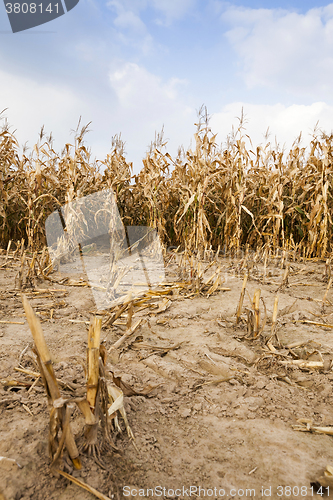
pixel 97 407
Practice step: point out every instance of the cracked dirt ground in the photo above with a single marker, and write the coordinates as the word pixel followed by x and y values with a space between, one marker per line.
pixel 223 407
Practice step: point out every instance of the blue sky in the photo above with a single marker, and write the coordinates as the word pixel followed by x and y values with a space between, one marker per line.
pixel 132 66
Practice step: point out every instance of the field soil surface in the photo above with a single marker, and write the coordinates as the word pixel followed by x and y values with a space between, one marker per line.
pixel 210 408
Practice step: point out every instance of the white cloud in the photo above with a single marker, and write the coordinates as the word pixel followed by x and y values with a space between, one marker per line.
pixel 129 11
pixel 130 28
pixel 172 9
pixel 128 5
pixel 129 20
pixel 146 103
pixel 137 88
pixel 279 48
pixel 284 122
pixel 31 104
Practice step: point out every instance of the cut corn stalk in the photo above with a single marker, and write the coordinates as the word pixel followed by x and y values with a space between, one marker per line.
pixel 58 413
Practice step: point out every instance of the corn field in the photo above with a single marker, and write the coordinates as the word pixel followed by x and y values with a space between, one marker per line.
pixel 209 197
